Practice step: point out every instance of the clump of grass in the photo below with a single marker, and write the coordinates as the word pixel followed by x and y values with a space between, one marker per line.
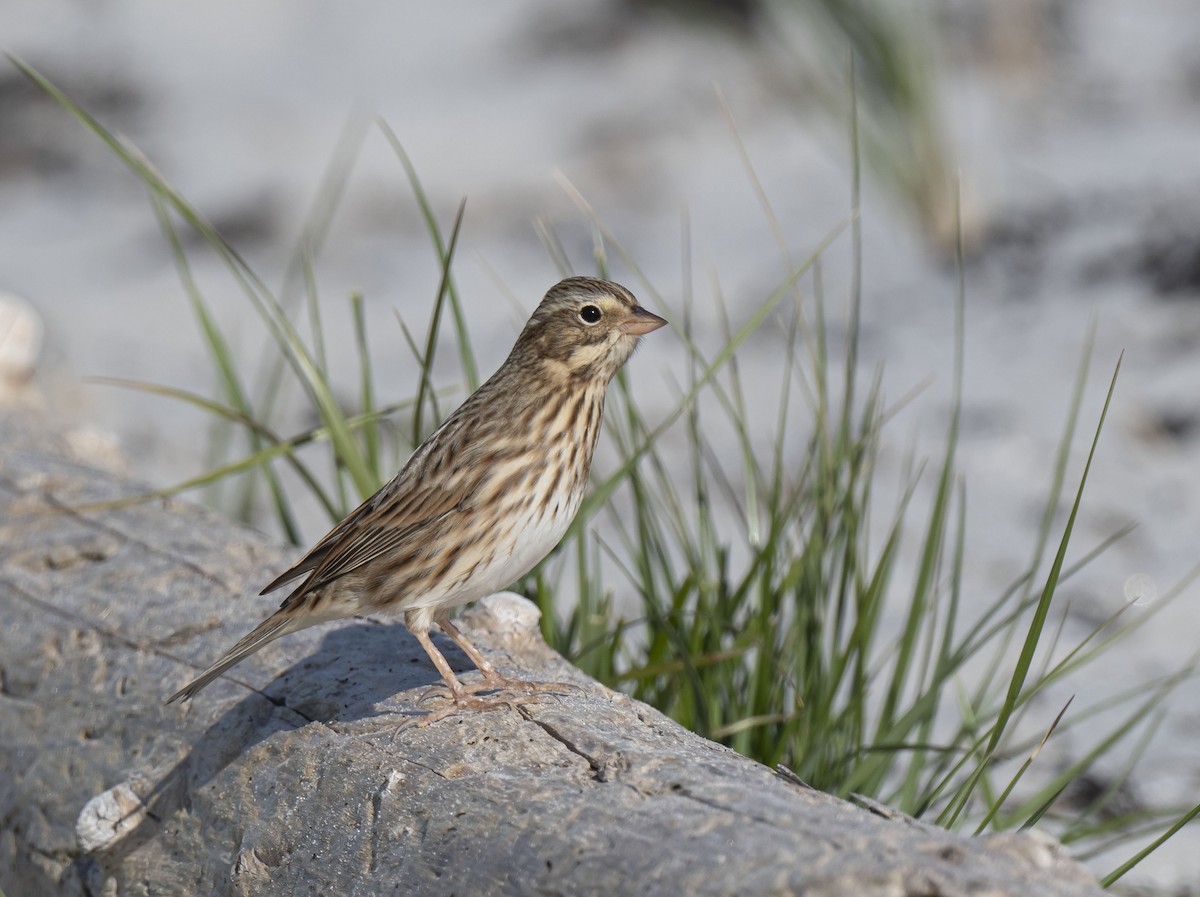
pixel 764 616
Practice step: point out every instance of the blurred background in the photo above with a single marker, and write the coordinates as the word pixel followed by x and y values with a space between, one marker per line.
pixel 1073 125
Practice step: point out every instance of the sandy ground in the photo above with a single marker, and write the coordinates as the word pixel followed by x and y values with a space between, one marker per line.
pixel 1078 143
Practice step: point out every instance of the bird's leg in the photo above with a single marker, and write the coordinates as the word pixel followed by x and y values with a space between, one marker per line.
pixel 491 678
pixel 462 698
pixel 456 687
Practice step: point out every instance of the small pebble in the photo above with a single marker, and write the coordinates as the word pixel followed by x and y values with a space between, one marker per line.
pixel 108 817
pixel 21 333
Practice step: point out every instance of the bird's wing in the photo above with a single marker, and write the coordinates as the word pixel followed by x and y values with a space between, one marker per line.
pixel 384 523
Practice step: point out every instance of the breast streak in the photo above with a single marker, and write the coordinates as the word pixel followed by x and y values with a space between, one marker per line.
pixel 523 526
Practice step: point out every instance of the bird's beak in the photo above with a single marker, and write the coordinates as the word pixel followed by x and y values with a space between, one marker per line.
pixel 640 322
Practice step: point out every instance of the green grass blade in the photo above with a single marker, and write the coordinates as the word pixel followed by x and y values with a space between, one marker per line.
pixel 1113 877
pixel 425 386
pixel 445 252
pixel 366 386
pixel 605 488
pixel 1017 681
pixel 222 358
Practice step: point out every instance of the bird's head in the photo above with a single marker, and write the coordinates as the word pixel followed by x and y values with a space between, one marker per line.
pixel 585 328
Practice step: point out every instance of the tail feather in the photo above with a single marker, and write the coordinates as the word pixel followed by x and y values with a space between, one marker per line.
pixel 264 633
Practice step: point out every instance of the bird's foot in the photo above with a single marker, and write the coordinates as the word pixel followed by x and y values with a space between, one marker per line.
pixel 498 683
pixel 502 697
pixel 469 704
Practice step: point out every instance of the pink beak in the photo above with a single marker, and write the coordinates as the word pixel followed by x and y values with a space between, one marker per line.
pixel 640 322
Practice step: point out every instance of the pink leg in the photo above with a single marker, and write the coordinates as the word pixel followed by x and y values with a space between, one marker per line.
pixel 456 688
pixel 459 692
pixel 490 676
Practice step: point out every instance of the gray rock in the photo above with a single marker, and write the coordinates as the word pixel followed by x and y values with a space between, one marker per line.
pixel 301 771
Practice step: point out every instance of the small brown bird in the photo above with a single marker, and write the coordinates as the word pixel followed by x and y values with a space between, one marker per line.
pixel 483 499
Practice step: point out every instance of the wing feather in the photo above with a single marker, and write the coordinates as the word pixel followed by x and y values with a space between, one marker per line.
pixel 399 515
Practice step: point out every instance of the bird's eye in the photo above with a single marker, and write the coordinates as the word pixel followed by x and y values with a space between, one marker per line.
pixel 589 314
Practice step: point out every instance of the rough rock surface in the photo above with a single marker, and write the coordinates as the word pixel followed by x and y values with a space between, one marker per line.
pixel 295 774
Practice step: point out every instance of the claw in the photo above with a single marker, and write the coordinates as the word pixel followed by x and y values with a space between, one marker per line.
pixel 468 705
pixel 436 691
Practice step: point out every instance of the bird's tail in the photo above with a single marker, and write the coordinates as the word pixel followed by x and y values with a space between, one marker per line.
pixel 279 624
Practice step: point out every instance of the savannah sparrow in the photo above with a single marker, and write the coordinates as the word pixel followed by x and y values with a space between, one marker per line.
pixel 483 499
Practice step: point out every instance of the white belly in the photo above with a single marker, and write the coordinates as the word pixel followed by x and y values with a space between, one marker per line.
pixel 531 540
